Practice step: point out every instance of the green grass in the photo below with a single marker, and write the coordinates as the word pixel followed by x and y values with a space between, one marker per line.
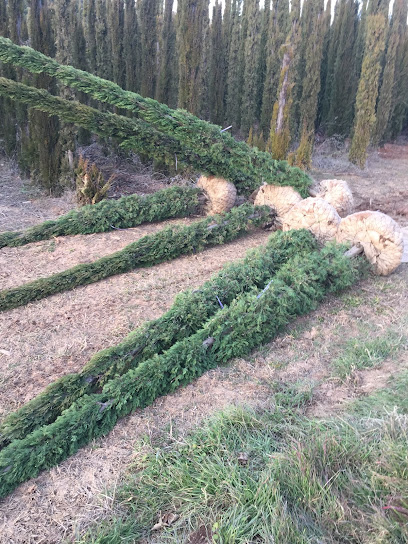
pixel 360 353
pixel 274 476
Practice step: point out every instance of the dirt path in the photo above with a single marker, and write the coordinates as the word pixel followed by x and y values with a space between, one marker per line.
pixel 49 338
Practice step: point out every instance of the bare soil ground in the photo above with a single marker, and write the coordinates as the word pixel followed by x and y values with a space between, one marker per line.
pixel 46 339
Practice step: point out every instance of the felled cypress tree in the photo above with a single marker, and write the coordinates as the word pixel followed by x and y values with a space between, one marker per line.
pixel 217 68
pixel 191 36
pixel 251 61
pixel 277 33
pixel 233 109
pixel 148 13
pixel 368 88
pixel 384 106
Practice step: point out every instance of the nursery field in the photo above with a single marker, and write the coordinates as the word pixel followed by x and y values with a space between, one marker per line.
pixel 316 355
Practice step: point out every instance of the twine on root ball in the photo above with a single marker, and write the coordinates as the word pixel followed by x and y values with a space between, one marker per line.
pixel 378 234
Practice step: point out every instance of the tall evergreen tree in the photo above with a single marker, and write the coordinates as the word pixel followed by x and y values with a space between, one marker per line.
pixel 343 87
pixel 89 24
pixel 368 88
pixel 280 130
pixel 250 89
pixel 217 68
pixel 148 12
pixel 277 33
pixel 311 82
pixel 132 47
pixel 116 31
pixel 191 36
pixel 400 91
pixel 165 87
pixel 384 106
pixel 233 108
pixel 43 128
pixel 103 43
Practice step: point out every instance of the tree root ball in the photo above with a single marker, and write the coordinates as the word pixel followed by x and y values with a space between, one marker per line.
pixel 379 235
pixel 337 193
pixel 316 215
pixel 221 194
pixel 282 199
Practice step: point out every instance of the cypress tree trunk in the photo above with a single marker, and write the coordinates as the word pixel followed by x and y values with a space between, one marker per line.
pixel 251 62
pixel 368 89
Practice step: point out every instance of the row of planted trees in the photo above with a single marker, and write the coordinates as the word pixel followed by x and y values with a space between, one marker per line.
pixel 276 72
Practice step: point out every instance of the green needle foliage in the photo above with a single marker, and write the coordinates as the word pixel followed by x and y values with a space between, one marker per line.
pixel 211 150
pixel 151 249
pixel 188 314
pixel 127 212
pixel 249 321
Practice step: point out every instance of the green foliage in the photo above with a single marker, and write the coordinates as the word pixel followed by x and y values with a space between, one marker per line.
pixel 192 16
pixel 188 314
pixel 201 144
pixel 274 475
pixel 250 320
pixel 368 89
pixel 151 249
pixel 127 212
pixel 252 52
pixel 360 353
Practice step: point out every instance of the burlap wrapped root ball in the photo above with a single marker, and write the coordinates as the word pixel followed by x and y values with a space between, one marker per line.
pixel 221 194
pixel 316 215
pixel 337 193
pixel 281 199
pixel 378 234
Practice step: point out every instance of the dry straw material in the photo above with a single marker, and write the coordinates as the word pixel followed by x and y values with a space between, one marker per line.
pixel 379 235
pixel 221 194
pixel 316 215
pixel 282 199
pixel 337 193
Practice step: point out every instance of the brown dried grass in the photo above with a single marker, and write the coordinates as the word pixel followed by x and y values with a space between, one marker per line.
pixel 46 339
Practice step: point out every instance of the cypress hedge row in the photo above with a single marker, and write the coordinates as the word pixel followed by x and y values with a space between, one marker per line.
pixel 151 249
pixel 217 152
pixel 188 314
pixel 249 321
pixel 128 211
